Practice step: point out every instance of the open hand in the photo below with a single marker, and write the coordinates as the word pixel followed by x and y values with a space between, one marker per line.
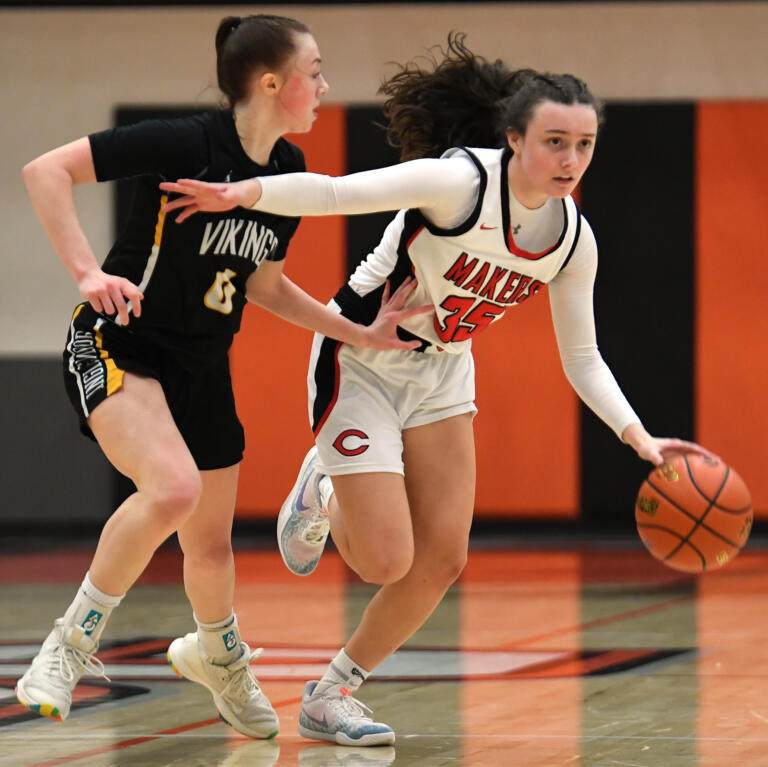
pixel 382 333
pixel 111 294
pixel 655 449
pixel 211 197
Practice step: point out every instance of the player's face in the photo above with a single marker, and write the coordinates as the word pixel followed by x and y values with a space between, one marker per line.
pixel 551 157
pixel 303 86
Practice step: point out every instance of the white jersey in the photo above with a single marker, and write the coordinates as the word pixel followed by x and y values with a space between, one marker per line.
pixel 470 273
pixel 456 231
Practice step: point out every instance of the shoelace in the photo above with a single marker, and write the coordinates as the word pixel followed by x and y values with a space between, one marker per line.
pixel 315 532
pixel 243 683
pixel 352 706
pixel 70 659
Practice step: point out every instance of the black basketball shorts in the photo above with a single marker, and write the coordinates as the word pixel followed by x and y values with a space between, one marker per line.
pixel 97 355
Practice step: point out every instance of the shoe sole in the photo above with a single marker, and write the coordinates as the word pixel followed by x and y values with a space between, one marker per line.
pixel 285 514
pixel 47 710
pixel 374 739
pixel 184 672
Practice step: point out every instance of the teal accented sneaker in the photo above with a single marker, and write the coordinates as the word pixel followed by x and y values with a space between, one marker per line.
pixel 237 695
pixel 67 653
pixel 337 717
pixel 302 525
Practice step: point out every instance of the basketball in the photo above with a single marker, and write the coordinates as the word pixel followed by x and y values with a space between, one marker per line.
pixel 694 513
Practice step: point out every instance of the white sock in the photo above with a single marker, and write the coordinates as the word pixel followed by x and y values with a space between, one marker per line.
pixel 220 641
pixel 325 487
pixel 344 672
pixel 91 608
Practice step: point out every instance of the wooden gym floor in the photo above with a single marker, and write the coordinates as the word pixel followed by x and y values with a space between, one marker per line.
pixel 584 656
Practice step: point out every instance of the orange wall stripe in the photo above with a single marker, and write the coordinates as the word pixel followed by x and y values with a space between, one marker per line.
pixel 731 289
pixel 269 357
pixel 527 427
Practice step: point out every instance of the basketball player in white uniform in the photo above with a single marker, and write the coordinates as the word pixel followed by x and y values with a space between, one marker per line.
pixel 483 230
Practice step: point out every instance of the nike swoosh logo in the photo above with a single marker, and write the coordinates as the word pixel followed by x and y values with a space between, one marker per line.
pixel 299 505
pixel 483 226
pixel 322 722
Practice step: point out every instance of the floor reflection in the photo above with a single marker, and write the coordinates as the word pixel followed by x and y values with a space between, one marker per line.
pixel 534 659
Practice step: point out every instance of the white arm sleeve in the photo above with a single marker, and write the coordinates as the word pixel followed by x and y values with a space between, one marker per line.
pixel 444 190
pixel 571 302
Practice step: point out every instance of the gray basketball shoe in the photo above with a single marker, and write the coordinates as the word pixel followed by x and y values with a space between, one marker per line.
pixel 302 525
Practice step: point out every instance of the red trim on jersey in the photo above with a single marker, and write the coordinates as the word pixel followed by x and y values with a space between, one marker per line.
pixel 413 237
pixel 336 384
pixel 524 253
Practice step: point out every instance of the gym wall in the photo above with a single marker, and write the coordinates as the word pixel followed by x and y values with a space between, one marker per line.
pixel 672 195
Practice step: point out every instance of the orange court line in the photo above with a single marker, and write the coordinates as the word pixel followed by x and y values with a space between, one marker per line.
pixel 134 650
pixel 600 621
pixel 143 739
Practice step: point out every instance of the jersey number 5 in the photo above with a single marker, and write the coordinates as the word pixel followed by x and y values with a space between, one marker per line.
pixel 219 295
pixel 465 320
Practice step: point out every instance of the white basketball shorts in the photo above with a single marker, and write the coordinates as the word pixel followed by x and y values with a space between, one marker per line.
pixel 361 400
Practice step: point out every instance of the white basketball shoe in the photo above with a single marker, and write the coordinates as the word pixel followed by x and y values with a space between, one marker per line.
pixel 337 717
pixel 66 654
pixel 237 695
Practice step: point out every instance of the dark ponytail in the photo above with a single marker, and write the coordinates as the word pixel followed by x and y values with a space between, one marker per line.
pixel 245 45
pixel 465 100
pixel 226 27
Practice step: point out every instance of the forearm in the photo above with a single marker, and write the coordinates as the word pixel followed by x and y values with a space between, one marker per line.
pixel 288 301
pixel 444 190
pixel 50 190
pixel 596 386
pixel 434 185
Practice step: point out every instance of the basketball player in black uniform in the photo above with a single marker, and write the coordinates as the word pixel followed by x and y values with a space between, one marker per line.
pixel 483 229
pixel 146 363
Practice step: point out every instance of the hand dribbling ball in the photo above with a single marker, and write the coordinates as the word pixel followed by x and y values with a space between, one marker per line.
pixel 693 513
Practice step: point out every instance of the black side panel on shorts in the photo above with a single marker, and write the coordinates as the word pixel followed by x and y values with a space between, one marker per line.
pixel 326 375
pixel 638 196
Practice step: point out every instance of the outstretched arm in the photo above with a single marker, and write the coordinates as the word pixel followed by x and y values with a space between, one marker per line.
pixel 444 190
pixel 571 299
pixel 270 288
pixel 49 180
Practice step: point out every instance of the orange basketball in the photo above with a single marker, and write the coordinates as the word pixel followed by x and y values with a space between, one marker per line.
pixel 693 513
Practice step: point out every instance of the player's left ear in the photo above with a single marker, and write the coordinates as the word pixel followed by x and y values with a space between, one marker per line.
pixel 269 84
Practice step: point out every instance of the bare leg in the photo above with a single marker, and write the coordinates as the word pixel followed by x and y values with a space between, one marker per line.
pixel 375 510
pixel 138 435
pixel 206 539
pixel 440 485
pixel 215 655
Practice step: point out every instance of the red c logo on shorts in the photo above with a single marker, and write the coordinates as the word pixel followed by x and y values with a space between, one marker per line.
pixel 338 443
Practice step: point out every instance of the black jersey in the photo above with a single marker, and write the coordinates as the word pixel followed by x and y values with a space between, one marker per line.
pixel 192 275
